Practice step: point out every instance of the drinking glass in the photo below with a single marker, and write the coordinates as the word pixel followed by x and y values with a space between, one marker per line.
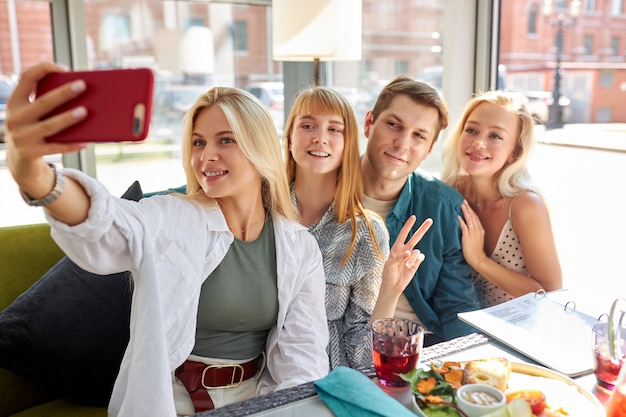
pixel 605 369
pixel 616 406
pixel 396 345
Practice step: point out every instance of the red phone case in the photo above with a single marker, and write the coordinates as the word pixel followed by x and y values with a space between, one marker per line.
pixel 118 102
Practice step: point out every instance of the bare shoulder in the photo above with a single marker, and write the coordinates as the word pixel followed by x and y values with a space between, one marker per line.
pixel 529 209
pixel 527 202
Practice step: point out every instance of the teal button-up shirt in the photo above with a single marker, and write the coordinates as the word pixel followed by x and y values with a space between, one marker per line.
pixel 442 286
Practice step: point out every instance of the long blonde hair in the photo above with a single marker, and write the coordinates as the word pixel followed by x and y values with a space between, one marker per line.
pixel 257 138
pixel 513 178
pixel 349 192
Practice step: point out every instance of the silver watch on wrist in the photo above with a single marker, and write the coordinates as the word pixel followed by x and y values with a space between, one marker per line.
pixel 59 186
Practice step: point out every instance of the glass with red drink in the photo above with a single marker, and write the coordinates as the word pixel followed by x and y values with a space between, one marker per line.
pixel 616 406
pixel 396 345
pixel 605 369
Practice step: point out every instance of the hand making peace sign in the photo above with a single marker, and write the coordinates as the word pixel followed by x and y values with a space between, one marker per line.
pixel 403 261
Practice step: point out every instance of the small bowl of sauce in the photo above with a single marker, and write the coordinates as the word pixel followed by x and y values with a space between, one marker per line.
pixel 476 400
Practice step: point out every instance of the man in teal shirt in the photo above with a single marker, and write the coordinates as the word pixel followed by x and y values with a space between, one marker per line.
pixel 401 131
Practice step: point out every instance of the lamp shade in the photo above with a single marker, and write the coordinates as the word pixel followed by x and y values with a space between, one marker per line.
pixel 328 30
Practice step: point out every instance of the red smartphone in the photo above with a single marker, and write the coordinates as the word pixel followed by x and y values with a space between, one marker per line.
pixel 118 102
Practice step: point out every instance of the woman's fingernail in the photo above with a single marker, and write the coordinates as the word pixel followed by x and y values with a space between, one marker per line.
pixel 79 112
pixel 78 86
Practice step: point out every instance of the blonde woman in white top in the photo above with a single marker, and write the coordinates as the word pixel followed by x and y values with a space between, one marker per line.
pixel 179 248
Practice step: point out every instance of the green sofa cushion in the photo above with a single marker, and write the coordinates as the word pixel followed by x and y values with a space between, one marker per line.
pixel 26 253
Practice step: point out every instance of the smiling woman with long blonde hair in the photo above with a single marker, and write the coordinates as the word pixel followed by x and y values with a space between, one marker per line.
pixel 323 166
pixel 507 233
pixel 228 290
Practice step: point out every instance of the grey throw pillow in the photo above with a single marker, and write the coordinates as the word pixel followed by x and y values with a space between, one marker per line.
pixel 70 329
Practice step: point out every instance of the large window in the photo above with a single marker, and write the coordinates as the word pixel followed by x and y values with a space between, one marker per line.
pixel 458 47
pixel 574 55
pixel 615 46
pixel 532 20
pixel 192 46
pixel 590 6
pixel 616 7
pixel 588 45
pixel 240 36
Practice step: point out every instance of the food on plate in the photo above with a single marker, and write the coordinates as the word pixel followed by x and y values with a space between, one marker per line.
pixel 435 388
pixel 452 372
pixel 495 372
pixel 516 408
pixel 476 400
pixel 479 397
pixel 534 397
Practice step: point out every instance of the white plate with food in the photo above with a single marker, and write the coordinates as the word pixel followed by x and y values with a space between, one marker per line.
pixel 563 397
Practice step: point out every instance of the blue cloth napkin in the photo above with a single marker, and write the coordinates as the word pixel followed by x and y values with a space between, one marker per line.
pixel 347 392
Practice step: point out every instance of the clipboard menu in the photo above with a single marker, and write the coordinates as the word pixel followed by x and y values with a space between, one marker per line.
pixel 552 333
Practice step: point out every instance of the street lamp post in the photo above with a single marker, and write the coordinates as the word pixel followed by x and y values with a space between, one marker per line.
pixel 555 119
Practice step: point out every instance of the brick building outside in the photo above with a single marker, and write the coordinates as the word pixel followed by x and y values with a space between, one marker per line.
pixel 403 36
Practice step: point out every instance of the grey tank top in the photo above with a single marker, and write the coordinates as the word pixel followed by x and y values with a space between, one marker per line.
pixel 239 300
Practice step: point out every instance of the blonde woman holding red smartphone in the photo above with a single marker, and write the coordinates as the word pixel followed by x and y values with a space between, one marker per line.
pixel 228 289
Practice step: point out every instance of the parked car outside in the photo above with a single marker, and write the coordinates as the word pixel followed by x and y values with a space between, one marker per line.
pixel 6 88
pixel 272 95
pixel 539 102
pixel 358 99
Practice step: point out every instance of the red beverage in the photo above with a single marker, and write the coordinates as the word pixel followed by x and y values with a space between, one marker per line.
pixel 606 371
pixel 389 366
pixel 396 345
pixel 616 406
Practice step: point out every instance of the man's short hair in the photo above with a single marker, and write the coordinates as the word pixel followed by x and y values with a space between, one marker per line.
pixel 418 91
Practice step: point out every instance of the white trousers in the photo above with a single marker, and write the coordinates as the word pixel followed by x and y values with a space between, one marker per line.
pixel 219 396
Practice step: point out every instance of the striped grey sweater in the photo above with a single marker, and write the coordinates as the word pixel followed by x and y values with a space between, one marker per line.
pixel 352 288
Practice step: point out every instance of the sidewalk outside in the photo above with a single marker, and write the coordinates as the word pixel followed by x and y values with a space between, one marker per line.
pixel 610 136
